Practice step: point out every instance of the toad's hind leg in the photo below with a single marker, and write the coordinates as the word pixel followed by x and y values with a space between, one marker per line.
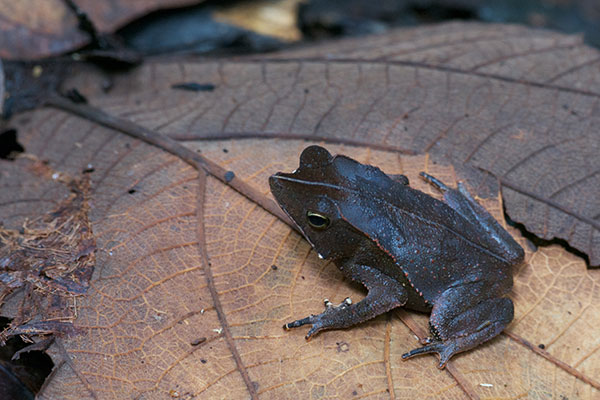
pixel 462 202
pixel 464 317
pixel 384 295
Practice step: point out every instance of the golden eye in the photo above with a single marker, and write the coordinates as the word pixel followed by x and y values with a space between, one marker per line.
pixel 317 221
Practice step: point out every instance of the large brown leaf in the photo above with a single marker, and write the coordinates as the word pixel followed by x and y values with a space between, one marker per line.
pixel 193 280
pixel 519 104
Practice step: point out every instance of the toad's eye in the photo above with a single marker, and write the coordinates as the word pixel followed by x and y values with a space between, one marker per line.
pixel 317 221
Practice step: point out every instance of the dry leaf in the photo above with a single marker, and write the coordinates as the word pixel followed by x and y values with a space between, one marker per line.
pixel 108 16
pixel 33 29
pixel 193 281
pixel 277 19
pixel 37 28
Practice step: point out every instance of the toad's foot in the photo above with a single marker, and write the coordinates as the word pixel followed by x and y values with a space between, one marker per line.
pixel 462 334
pixel 384 294
pixel 321 321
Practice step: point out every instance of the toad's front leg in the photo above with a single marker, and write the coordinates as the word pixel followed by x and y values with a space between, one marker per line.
pixel 384 295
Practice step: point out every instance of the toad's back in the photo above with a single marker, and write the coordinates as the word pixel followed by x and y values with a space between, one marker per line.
pixel 430 242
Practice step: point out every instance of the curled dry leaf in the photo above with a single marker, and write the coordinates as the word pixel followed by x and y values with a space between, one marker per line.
pixel 31 29
pixel 193 281
pixel 108 16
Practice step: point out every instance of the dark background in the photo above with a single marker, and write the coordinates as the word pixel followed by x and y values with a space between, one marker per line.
pixel 196 29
